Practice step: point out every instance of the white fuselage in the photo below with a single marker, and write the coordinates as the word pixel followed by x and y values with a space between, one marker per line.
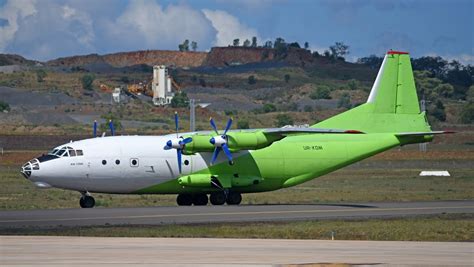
pixel 116 164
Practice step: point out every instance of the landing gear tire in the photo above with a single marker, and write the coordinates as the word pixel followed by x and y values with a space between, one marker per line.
pixel 184 200
pixel 87 202
pixel 200 200
pixel 234 198
pixel 218 198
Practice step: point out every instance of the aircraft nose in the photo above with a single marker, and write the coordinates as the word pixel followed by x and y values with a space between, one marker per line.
pixel 29 167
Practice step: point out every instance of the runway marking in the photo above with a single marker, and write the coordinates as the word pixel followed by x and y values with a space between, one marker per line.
pixel 234 213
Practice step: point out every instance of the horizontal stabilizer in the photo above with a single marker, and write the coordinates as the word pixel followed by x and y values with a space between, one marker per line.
pixel 424 133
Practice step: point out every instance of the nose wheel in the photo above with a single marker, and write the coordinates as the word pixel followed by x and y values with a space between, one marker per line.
pixel 87 201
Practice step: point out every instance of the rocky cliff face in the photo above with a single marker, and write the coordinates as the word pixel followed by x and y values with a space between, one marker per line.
pixel 124 59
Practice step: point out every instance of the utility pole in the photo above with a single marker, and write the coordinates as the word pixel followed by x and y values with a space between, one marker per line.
pixel 423 147
pixel 192 115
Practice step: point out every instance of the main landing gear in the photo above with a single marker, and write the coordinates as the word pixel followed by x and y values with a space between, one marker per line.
pixel 216 198
pixel 87 201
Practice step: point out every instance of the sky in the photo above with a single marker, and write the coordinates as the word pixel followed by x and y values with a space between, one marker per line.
pixel 47 29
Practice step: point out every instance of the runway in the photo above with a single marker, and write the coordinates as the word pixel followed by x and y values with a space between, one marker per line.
pixel 111 251
pixel 223 214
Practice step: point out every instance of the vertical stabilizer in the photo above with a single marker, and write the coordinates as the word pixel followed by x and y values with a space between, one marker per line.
pixel 394 88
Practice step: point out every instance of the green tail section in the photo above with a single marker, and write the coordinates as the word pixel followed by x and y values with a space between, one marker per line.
pixel 392 106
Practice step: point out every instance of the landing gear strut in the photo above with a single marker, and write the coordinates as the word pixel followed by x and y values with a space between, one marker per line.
pixel 87 201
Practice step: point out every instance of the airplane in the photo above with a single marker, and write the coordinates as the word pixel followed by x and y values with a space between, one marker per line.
pixel 253 160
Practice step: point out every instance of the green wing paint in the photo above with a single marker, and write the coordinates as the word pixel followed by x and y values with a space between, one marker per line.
pixel 388 119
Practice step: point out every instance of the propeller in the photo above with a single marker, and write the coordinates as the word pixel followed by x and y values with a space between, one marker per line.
pixel 220 142
pixel 178 143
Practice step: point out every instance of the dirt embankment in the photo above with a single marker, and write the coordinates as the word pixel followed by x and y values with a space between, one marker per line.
pixel 217 57
pixel 124 59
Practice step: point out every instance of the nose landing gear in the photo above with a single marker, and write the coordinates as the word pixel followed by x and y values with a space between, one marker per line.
pixel 87 201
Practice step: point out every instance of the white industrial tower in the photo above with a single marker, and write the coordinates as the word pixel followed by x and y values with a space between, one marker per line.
pixel 161 86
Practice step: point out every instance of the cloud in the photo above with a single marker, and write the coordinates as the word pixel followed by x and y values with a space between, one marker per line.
pixel 465 59
pixel 12 12
pixel 228 27
pixel 146 24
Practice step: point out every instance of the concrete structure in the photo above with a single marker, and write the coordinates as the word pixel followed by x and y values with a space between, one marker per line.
pixel 161 86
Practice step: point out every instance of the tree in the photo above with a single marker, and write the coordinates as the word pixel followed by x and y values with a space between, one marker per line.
pixel 40 75
pixel 246 43
pixel 254 41
pixel 445 90
pixel 194 46
pixel 470 93
pixel 184 46
pixel 252 80
pixel 268 44
pixel 236 42
pixel 295 45
pixel 306 45
pixel 467 113
pixel 283 120
pixel 243 124
pixel 344 101
pixel 180 100
pixel 287 78
pixel 322 92
pixel 339 50
pixel 281 47
pixel 435 65
pixel 87 80
pixel 437 111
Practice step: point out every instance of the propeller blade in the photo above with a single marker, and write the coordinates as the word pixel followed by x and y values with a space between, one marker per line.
pixel 95 128
pixel 178 151
pixel 176 123
pixel 229 124
pixel 187 140
pixel 167 148
pixel 227 152
pixel 215 154
pixel 111 126
pixel 213 124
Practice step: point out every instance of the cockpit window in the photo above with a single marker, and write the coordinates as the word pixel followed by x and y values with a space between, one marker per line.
pixel 66 152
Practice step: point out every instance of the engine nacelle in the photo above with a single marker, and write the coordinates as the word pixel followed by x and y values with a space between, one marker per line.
pixel 237 141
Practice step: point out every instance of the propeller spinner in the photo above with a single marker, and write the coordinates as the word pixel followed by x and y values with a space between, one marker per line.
pixel 178 143
pixel 220 142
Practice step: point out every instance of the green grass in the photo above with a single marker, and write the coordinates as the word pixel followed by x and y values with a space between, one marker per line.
pixel 439 228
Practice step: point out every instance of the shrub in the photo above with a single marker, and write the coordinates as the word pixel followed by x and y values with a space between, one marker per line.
pixel 252 80
pixel 283 119
pixel 86 81
pixel 322 92
pixel 269 108
pixel 40 75
pixel 344 101
pixel 4 106
pixel 308 108
pixel 243 124
pixel 467 113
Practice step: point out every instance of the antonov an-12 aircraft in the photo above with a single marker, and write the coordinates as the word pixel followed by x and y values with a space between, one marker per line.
pixel 191 166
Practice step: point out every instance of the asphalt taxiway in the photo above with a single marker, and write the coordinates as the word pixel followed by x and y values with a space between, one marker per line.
pixel 223 214
pixel 110 251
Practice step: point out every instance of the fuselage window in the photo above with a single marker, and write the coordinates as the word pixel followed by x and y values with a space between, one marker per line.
pixel 79 153
pixel 134 162
pixel 117 161
pixel 104 162
pixel 186 162
pixel 72 152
